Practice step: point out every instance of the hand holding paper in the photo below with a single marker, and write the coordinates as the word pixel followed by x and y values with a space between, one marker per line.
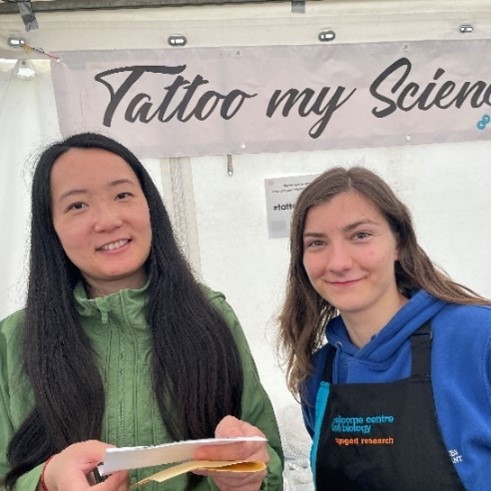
pixel 235 458
pixel 183 451
pixel 248 451
pixel 71 469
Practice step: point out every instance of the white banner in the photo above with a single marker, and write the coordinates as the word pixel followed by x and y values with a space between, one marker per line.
pixel 217 101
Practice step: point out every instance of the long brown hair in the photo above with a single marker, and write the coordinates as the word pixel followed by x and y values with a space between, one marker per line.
pixel 305 313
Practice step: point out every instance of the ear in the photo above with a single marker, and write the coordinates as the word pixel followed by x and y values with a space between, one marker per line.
pixel 396 254
pixel 397 249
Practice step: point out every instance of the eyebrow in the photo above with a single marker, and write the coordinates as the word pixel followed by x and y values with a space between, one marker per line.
pixel 76 192
pixel 352 226
pixel 346 228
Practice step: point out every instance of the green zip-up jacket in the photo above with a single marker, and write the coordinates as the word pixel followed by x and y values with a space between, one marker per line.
pixel 121 339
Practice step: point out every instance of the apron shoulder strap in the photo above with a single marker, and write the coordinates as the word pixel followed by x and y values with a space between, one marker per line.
pixel 331 352
pixel 421 352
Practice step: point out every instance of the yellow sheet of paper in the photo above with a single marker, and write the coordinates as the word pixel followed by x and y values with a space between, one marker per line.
pixel 216 465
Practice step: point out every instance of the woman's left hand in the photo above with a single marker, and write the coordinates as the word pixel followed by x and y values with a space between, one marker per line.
pixel 247 451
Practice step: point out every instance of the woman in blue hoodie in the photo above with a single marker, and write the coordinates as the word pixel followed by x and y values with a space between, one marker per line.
pixel 399 398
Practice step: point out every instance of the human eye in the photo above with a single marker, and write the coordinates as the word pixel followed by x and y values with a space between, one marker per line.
pixel 361 235
pixel 76 206
pixel 313 243
pixel 123 195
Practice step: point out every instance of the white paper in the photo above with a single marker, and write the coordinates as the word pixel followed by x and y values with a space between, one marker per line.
pixel 123 458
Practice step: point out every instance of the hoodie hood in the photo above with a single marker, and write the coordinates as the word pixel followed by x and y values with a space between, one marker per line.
pixel 379 352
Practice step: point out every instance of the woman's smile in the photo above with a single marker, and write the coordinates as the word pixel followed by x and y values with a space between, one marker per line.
pixel 114 245
pixel 344 283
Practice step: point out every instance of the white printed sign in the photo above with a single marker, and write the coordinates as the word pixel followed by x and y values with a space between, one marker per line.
pixel 281 195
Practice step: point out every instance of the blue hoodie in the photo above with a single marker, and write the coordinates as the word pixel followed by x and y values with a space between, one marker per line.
pixel 461 374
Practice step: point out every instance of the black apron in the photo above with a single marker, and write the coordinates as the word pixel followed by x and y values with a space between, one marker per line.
pixel 385 436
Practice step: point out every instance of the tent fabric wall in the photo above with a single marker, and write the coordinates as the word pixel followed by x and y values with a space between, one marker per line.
pixel 28 121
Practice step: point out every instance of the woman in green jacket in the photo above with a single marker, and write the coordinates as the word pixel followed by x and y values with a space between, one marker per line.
pixel 119 345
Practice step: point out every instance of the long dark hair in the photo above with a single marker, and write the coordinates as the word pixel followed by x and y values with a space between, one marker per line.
pixel 305 313
pixel 189 335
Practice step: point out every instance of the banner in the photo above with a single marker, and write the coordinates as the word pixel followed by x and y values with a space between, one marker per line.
pixel 231 100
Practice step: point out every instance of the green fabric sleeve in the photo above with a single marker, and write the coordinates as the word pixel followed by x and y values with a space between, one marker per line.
pixel 6 426
pixel 9 373
pixel 30 480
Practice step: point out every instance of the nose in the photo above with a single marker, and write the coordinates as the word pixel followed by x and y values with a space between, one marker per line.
pixel 339 258
pixel 106 219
